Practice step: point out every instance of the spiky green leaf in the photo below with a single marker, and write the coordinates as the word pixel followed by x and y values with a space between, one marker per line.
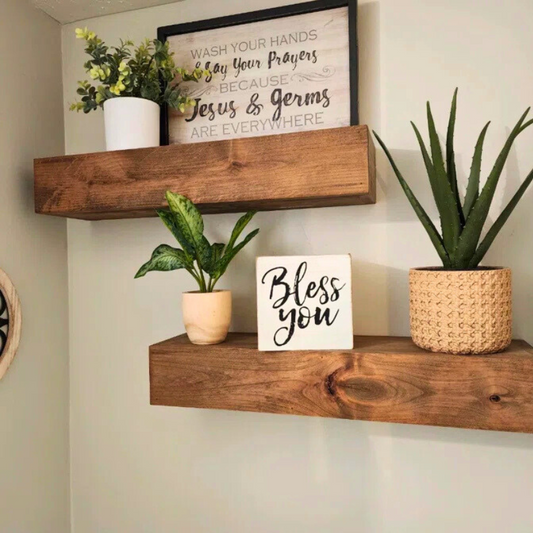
pixel 486 243
pixel 430 228
pixel 164 259
pixel 451 221
pixel 436 185
pixel 450 157
pixel 472 190
pixel 526 125
pixel 469 240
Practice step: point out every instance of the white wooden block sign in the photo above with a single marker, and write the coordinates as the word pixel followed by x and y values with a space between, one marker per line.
pixel 304 302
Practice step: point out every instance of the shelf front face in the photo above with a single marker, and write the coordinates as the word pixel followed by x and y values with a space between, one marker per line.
pixel 386 379
pixel 320 168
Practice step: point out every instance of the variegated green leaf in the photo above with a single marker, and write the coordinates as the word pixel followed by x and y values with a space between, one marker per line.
pixel 215 253
pixel 239 227
pixel 204 256
pixel 211 256
pixel 188 219
pixel 230 254
pixel 169 220
pixel 164 259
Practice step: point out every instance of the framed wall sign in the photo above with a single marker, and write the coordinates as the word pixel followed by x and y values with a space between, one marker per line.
pixel 10 323
pixel 304 302
pixel 281 70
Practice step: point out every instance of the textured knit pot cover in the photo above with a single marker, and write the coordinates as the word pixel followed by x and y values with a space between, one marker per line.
pixel 461 312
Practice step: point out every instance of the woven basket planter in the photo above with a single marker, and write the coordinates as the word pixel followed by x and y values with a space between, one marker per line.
pixel 461 312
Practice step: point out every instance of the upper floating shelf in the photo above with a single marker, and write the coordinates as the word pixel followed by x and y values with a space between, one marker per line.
pixel 320 168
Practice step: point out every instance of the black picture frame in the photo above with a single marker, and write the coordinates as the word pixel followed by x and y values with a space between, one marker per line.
pixel 164 32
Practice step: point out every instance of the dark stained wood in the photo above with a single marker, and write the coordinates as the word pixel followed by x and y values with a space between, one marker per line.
pixel 311 169
pixel 385 379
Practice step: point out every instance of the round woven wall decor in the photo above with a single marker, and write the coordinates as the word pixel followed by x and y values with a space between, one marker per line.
pixel 10 322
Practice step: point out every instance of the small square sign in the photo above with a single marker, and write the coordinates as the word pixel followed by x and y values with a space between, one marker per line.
pixel 304 302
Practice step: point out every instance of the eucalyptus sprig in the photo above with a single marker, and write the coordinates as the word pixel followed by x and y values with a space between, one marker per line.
pixel 459 243
pixel 196 255
pixel 146 71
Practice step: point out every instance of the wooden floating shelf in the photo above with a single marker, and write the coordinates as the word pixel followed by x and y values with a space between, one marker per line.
pixel 320 168
pixel 386 379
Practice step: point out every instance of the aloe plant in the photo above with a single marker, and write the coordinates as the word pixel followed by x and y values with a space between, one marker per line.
pixel 459 244
pixel 196 255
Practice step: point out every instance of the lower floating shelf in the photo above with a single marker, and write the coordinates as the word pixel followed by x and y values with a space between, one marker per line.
pixel 385 379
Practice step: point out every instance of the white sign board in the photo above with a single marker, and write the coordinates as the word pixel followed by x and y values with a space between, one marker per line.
pixel 273 76
pixel 304 302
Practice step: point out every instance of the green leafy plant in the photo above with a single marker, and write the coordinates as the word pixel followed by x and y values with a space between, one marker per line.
pixel 147 71
pixel 460 246
pixel 196 255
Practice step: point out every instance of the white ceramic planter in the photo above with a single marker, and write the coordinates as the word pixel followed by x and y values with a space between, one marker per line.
pixel 207 316
pixel 131 123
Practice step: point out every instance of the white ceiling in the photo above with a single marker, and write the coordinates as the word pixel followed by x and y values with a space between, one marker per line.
pixel 66 11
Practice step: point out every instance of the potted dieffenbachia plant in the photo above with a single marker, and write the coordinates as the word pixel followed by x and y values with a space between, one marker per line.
pixel 131 83
pixel 461 307
pixel 207 312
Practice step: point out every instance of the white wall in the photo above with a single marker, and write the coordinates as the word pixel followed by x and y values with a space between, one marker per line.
pixel 137 468
pixel 34 463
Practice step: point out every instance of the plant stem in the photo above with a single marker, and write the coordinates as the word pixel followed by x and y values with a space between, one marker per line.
pixel 194 274
pixel 204 285
pixel 148 69
pixel 200 279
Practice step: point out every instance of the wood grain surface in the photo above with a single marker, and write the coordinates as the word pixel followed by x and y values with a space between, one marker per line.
pixel 309 169
pixel 385 379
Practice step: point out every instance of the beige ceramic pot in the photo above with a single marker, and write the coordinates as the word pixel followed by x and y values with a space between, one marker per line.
pixel 207 316
pixel 461 312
